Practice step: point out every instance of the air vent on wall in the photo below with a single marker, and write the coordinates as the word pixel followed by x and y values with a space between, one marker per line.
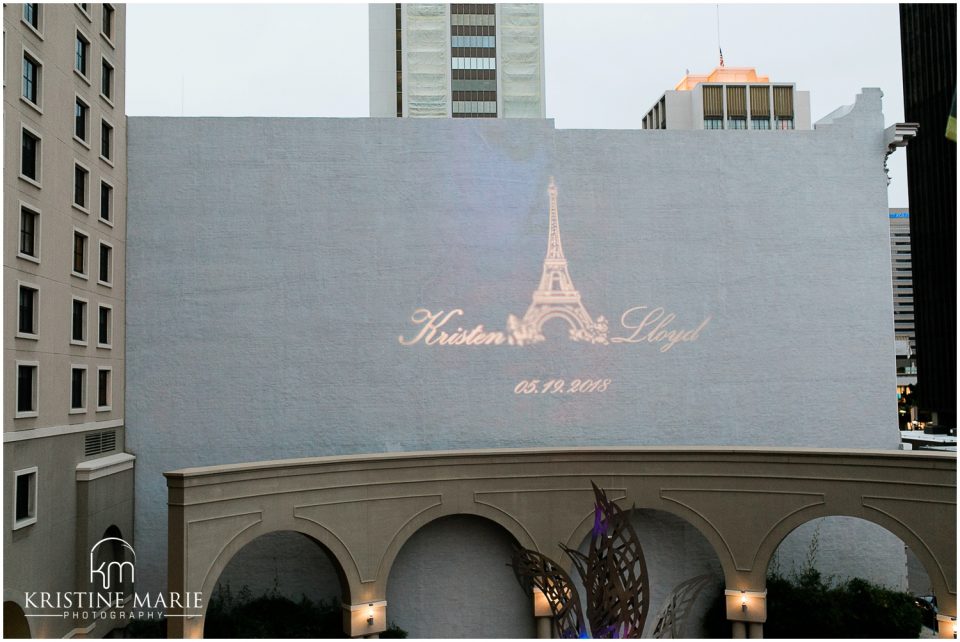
pixel 96 443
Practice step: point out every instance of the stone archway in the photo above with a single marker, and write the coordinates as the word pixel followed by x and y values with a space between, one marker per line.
pixel 363 508
pixel 450 563
pixel 279 570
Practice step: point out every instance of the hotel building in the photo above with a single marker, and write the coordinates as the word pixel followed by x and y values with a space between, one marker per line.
pixel 67 481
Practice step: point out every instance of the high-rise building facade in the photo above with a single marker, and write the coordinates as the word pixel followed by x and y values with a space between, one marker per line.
pixel 928 45
pixel 730 98
pixel 903 320
pixel 67 481
pixel 456 60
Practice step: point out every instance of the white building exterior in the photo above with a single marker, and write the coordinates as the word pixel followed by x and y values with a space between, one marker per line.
pixel 456 60
pixel 289 331
pixel 730 98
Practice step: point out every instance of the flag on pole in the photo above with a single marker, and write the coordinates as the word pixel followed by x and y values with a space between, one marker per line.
pixel 721 64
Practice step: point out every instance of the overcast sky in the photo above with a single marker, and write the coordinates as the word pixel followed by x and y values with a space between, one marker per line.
pixel 605 64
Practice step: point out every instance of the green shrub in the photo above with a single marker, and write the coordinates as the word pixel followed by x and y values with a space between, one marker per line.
pixel 807 606
pixel 269 616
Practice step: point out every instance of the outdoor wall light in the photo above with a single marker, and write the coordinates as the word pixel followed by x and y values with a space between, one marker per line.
pixel 370 615
pixel 743 600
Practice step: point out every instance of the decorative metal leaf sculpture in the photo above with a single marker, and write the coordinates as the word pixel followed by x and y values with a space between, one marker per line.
pixel 533 569
pixel 673 617
pixel 614 575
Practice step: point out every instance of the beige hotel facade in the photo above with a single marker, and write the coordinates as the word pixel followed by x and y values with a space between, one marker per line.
pixel 67 481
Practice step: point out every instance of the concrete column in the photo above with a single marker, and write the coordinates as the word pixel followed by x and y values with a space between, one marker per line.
pixel 367 620
pixel 544 628
pixel 747 611
pixel 543 615
pixel 946 626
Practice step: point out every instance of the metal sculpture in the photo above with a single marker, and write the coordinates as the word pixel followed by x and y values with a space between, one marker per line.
pixel 614 575
pixel 673 617
pixel 536 570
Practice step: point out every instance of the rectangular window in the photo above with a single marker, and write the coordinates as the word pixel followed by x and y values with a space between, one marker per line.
pixel 712 123
pixel 760 123
pixel 80 178
pixel 783 102
pixel 784 123
pixel 107 28
pixel 25 497
pixel 736 101
pixel 106 79
pixel 82 55
pixel 26 390
pixel 104 332
pixel 29 239
pixel 474 63
pixel 736 123
pixel 106 140
pixel 106 264
pixel 81 119
pixel 78 388
pixel 103 389
pixel 106 201
pixel 760 101
pixel 27 317
pixel 31 15
pixel 29 155
pixel 79 253
pixel 31 79
pixel 79 332
pixel 712 102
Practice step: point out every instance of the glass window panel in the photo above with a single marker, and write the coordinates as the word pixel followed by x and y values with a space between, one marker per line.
pixel 28 155
pixel 28 225
pixel 76 388
pixel 79 317
pixel 30 79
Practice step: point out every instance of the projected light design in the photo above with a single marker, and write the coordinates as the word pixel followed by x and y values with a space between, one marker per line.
pixel 556 297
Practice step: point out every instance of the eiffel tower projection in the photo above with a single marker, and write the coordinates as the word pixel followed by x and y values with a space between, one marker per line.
pixel 556 297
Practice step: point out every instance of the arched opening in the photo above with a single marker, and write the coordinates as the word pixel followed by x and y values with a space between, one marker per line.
pixel 451 580
pixel 282 584
pixel 856 568
pixel 15 624
pixel 683 571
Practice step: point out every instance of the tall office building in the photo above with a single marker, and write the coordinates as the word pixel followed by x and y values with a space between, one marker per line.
pixel 67 481
pixel 456 60
pixel 903 320
pixel 730 98
pixel 928 44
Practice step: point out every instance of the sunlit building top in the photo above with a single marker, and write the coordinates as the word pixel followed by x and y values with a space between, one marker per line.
pixel 730 98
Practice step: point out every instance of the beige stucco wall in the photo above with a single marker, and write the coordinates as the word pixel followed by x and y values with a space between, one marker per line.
pixel 48 555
